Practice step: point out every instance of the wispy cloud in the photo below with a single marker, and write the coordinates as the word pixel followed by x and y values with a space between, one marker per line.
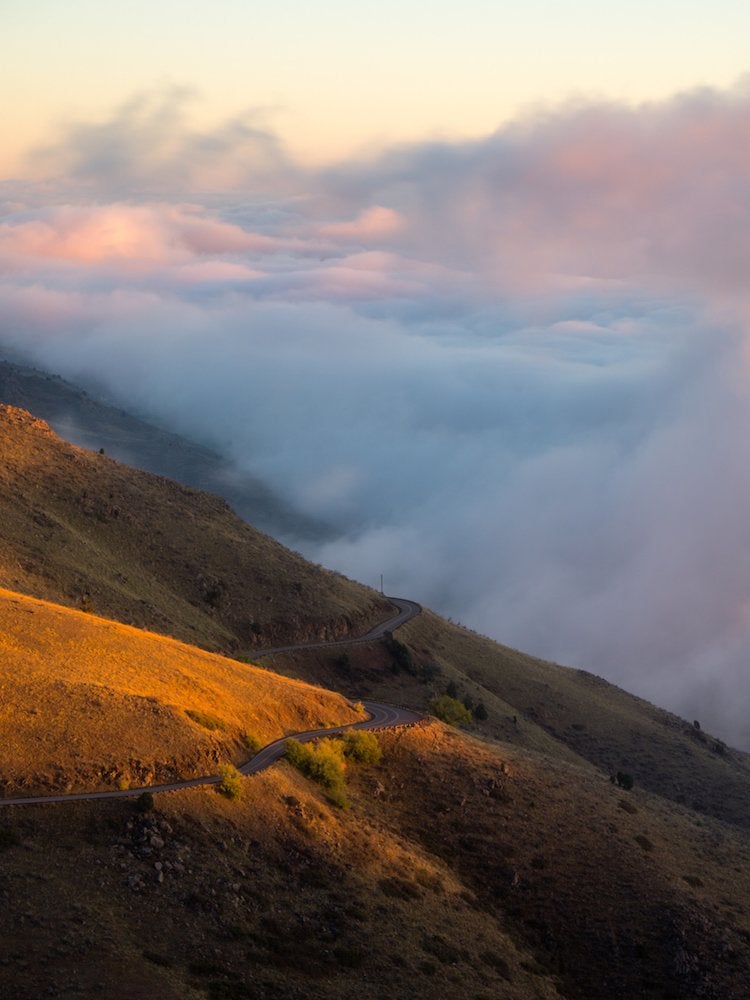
pixel 514 370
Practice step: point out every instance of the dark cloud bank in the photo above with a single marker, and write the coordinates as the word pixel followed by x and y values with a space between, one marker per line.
pixel 513 370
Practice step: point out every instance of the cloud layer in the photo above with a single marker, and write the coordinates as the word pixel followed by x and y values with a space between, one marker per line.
pixel 514 371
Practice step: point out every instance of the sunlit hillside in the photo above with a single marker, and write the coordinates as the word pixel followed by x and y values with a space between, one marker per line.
pixel 89 703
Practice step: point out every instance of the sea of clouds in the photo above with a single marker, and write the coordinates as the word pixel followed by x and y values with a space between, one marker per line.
pixel 513 371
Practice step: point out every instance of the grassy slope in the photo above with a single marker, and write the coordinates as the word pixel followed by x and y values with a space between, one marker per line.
pixel 87 702
pixel 77 527
pixel 560 713
pixel 458 872
pixel 93 423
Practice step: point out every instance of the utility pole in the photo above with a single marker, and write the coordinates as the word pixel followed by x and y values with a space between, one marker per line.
pixel 381 583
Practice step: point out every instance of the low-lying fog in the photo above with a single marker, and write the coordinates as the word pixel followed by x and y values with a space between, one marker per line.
pixel 513 371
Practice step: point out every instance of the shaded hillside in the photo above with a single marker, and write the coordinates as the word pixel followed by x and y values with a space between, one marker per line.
pixel 78 528
pixel 89 703
pixel 459 871
pixel 92 423
pixel 564 714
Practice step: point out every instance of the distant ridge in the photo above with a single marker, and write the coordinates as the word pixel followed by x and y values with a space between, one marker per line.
pixel 93 423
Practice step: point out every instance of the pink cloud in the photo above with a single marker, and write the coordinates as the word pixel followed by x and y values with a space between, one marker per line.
pixel 138 234
pixel 373 224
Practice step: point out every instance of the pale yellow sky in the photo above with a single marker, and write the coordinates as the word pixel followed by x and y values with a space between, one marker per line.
pixel 337 77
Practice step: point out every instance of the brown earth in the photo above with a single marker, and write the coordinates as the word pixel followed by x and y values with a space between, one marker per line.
pixel 460 870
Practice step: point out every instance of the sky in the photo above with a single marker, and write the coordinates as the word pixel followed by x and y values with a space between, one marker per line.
pixel 470 285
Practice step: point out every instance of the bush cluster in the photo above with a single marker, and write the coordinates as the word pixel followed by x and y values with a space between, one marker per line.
pixel 205 719
pixel 362 747
pixel 450 710
pixel 325 761
pixel 230 781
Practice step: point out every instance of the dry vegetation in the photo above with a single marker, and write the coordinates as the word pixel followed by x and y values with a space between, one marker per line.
pixel 87 702
pixel 458 871
pixel 492 864
pixel 80 529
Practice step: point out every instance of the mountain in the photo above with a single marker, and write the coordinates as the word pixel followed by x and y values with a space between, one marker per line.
pixel 79 528
pixel 494 861
pixel 89 703
pixel 93 423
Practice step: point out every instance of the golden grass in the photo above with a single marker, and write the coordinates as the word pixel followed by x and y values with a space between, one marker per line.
pixel 83 696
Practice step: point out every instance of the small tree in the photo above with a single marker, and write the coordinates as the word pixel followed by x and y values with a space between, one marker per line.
pixel 362 747
pixel 230 781
pixel 450 710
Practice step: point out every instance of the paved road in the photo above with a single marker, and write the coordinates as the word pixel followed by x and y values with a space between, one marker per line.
pixel 381 716
pixel 406 611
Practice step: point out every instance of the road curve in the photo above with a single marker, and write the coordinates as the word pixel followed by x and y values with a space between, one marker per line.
pixel 406 611
pixel 381 716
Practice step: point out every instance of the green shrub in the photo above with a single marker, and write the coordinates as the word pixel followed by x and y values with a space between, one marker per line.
pixel 429 672
pixel 204 719
pixel 401 658
pixel 450 710
pixel 230 781
pixel 480 712
pixel 252 743
pixel 323 763
pixel 362 747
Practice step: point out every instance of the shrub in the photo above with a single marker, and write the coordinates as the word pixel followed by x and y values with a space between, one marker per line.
pixel 450 710
pixel 401 658
pixel 252 743
pixel 323 764
pixel 623 780
pixel 204 719
pixel 429 672
pixel 344 664
pixel 145 802
pixel 480 712
pixel 362 747
pixel 230 781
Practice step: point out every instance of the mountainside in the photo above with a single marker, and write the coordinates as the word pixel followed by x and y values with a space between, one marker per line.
pixel 498 862
pixel 92 423
pixel 81 529
pixel 89 703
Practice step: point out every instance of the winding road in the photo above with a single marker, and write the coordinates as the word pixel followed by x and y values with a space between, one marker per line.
pixel 406 611
pixel 381 716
